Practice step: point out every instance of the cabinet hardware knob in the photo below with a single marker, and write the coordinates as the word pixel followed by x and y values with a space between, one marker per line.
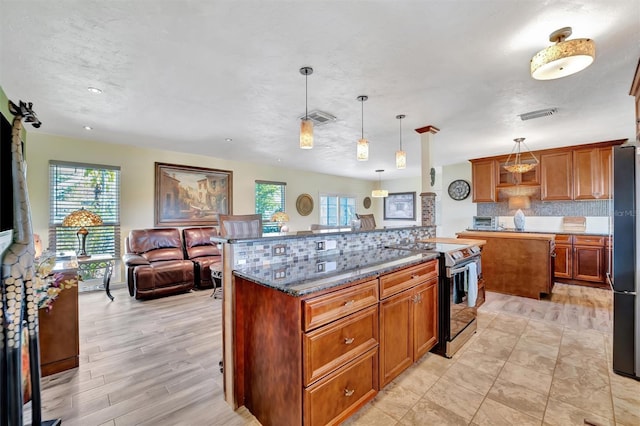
pixel 349 303
pixel 349 340
pixel 348 392
pixel 415 276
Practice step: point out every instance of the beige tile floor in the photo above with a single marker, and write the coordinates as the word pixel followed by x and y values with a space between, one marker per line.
pixel 530 363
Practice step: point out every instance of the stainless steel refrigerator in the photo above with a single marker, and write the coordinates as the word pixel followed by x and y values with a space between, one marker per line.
pixel 625 278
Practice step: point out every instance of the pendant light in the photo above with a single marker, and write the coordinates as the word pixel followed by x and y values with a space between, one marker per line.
pixel 401 156
pixel 564 58
pixel 362 148
pixel 517 166
pixel 379 193
pixel 306 126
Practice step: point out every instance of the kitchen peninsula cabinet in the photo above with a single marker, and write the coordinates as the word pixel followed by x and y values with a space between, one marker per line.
pixel 408 318
pixel 516 263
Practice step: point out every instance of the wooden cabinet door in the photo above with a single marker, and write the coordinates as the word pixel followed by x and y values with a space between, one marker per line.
pixel 483 181
pixel 605 158
pixel 588 263
pixel 425 317
pixel 592 173
pixel 563 261
pixel 556 176
pixel 396 335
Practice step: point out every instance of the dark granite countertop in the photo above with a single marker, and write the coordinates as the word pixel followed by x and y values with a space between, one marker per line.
pixel 323 272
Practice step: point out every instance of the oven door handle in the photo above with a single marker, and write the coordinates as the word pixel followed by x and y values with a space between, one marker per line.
pixel 453 272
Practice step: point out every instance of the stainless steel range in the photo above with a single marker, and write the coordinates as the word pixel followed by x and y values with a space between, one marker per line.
pixel 460 288
pixel 460 276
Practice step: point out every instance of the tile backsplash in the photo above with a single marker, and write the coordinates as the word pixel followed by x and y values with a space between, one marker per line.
pixel 549 208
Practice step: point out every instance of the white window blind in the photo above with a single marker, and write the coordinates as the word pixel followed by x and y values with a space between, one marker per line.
pixel 92 186
pixel 270 198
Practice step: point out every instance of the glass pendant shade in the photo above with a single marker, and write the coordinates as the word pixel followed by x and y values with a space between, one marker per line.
pixel 306 125
pixel 362 147
pixel 306 134
pixel 515 164
pixel 564 58
pixel 401 156
pixel 379 193
pixel 401 160
pixel 362 150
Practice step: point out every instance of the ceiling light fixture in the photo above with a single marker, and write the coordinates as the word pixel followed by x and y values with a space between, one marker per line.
pixel 379 193
pixel 564 58
pixel 401 156
pixel 88 128
pixel 94 90
pixel 517 166
pixel 362 148
pixel 306 125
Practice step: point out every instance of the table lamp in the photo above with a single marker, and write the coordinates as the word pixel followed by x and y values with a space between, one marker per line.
pixel 82 218
pixel 281 218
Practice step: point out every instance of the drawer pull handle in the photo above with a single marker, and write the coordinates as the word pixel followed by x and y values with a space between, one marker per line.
pixel 349 303
pixel 348 392
pixel 415 276
pixel 349 340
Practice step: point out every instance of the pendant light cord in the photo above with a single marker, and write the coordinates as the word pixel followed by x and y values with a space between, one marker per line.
pixel 306 95
pixel 400 134
pixel 362 116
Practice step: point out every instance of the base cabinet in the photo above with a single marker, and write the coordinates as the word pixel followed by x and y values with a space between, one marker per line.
pixel 408 322
pixel 582 259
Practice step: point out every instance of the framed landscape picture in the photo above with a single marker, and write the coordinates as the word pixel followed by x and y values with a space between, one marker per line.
pixel 191 196
pixel 400 206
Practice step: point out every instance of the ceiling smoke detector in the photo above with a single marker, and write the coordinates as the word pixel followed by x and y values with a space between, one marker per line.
pixel 318 117
pixel 538 114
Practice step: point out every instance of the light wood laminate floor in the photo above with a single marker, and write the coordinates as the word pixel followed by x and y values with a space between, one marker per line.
pixel 531 362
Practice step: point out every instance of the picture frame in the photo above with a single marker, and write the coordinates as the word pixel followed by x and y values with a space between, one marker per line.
pixel 400 206
pixel 191 196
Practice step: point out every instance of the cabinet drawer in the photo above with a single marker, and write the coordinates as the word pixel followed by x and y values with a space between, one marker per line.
pixel 329 307
pixel 403 279
pixel 334 398
pixel 563 239
pixel 588 240
pixel 327 348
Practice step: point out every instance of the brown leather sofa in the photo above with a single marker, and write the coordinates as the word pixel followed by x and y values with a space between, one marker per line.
pixel 155 263
pixel 203 253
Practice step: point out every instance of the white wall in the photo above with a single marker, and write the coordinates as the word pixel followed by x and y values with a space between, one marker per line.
pixel 456 216
pixel 137 180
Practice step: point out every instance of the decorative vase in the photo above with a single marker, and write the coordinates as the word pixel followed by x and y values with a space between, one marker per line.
pixel 518 220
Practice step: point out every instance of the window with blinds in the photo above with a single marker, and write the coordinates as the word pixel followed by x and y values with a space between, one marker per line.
pixel 94 187
pixel 270 198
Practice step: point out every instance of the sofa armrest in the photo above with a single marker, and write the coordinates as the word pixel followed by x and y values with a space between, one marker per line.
pixel 131 259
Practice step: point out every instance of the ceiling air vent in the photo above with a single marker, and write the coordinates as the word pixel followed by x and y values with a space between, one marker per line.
pixel 319 117
pixel 538 114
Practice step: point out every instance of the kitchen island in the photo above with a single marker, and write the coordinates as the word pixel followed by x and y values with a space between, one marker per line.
pixel 315 347
pixel 306 318
pixel 516 263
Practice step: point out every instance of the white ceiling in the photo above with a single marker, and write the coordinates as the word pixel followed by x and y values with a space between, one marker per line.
pixel 186 75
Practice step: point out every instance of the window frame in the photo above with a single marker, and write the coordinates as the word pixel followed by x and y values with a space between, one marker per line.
pixel 339 196
pixel 110 212
pixel 268 225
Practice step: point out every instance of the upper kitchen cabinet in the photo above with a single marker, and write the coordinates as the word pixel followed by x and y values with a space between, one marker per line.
pixel 556 176
pixel 635 91
pixel 592 173
pixel 483 177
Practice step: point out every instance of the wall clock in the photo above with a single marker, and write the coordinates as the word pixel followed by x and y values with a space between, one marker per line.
pixel 459 189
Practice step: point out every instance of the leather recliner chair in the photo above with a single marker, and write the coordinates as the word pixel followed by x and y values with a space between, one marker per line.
pixel 155 263
pixel 203 253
